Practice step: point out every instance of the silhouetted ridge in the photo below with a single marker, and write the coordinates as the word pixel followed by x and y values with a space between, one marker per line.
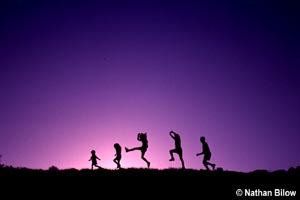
pixel 153 182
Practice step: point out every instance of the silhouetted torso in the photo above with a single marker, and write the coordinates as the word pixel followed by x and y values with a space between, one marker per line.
pixel 143 139
pixel 144 143
pixel 205 149
pixel 94 159
pixel 177 141
pixel 118 151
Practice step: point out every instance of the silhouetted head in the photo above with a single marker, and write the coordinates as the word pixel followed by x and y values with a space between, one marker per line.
pixel 93 151
pixel 117 146
pixel 143 136
pixel 202 139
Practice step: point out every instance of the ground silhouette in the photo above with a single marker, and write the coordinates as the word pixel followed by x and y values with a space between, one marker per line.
pixel 154 183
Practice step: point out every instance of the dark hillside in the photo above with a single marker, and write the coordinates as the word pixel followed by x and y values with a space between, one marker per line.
pixel 150 183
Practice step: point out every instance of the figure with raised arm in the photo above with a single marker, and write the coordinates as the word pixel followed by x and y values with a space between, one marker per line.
pixel 143 138
pixel 177 149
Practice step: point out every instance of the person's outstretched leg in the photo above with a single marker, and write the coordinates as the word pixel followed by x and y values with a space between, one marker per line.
pixel 133 149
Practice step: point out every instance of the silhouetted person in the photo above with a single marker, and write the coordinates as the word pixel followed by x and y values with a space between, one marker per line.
pixel 118 155
pixel 177 149
pixel 94 159
pixel 207 154
pixel 143 138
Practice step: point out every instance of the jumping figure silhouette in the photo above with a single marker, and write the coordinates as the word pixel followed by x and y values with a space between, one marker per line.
pixel 143 138
pixel 178 148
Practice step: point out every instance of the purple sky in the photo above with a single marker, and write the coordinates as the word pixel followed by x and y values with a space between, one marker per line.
pixel 80 75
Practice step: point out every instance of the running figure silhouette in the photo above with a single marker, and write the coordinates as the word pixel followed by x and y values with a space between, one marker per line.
pixel 207 154
pixel 94 159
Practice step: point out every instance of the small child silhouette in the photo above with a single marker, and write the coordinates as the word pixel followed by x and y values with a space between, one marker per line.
pixel 207 154
pixel 143 138
pixel 118 155
pixel 94 159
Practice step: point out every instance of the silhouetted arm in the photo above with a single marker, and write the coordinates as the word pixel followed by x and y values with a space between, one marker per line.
pixel 172 134
pixel 198 154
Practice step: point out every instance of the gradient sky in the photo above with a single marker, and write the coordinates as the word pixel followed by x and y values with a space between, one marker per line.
pixel 82 75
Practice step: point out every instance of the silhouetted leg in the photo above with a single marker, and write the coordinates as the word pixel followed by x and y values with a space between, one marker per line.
pixel 171 154
pixel 148 163
pixel 206 165
pixel 182 161
pixel 119 162
pixel 133 149
pixel 212 165
pixel 115 161
pixel 98 166
pixel 180 154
